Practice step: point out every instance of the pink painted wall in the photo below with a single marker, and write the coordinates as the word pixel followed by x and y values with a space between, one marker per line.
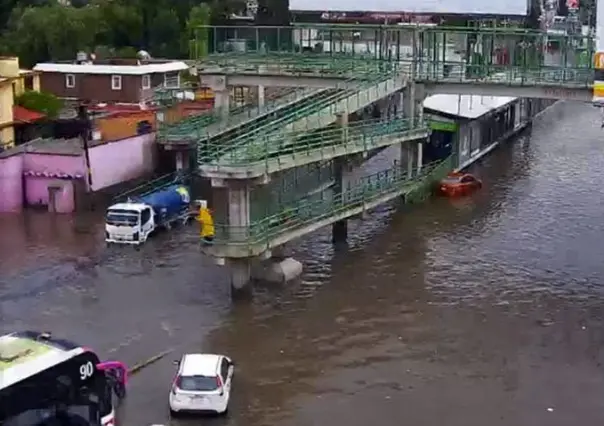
pixel 36 189
pixel 111 163
pixel 54 164
pixel 122 160
pixel 11 184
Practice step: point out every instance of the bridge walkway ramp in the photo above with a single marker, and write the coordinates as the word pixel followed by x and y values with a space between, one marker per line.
pixel 301 131
pixel 309 213
pixel 216 121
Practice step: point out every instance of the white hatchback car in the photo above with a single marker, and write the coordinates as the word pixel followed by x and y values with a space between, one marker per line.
pixel 202 384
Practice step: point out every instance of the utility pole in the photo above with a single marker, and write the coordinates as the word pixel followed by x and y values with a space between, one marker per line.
pixel 84 123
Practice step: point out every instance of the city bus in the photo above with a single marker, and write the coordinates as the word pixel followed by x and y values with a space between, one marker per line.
pixel 45 381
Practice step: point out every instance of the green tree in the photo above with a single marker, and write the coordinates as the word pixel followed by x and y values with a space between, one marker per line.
pixel 43 102
pixel 197 37
pixel 164 40
pixel 120 25
pixel 42 30
pixel 55 32
pixel 7 7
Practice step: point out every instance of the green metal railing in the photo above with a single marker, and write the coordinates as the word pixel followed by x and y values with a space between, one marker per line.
pixel 532 57
pixel 305 211
pixel 359 136
pixel 325 104
pixel 334 66
pixel 289 186
pixel 572 74
pixel 386 42
pixel 195 127
pixel 507 75
pixel 190 125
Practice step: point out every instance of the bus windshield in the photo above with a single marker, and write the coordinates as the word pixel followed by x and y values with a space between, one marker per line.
pixel 73 392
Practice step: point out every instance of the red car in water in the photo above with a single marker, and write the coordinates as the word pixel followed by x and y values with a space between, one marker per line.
pixel 458 184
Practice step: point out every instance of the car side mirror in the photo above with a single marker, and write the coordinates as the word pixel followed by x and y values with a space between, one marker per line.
pixel 176 362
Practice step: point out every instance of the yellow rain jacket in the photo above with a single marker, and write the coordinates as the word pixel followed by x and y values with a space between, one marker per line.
pixel 206 221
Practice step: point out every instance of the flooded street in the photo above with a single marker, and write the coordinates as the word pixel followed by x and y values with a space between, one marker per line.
pixel 487 310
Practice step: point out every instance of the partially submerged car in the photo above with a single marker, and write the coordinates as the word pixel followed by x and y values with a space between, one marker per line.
pixel 458 184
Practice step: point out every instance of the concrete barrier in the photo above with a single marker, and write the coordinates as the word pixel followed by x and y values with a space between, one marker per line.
pixel 278 271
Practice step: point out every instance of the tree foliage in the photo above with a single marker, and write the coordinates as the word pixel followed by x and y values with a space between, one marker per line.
pixel 42 30
pixel 43 102
pixel 196 36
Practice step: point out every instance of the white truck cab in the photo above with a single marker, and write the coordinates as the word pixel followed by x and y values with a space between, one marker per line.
pixel 133 220
pixel 129 223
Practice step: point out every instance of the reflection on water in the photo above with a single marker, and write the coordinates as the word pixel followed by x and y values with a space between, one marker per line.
pixel 486 310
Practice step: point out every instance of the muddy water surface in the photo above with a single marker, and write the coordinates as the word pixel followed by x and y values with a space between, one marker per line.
pixel 487 310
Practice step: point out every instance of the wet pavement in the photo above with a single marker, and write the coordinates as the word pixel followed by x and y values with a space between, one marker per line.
pixel 487 310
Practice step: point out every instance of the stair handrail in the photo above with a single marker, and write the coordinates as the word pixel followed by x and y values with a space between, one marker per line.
pixel 323 100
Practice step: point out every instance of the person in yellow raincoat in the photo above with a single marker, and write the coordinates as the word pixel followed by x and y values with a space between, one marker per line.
pixel 206 222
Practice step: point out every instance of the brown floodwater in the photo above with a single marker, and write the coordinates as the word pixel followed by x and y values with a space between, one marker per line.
pixel 486 310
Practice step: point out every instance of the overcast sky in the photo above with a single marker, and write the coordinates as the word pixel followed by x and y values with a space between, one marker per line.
pixel 499 7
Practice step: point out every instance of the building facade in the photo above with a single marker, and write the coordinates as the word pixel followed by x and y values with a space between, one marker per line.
pixel 116 81
pixel 13 82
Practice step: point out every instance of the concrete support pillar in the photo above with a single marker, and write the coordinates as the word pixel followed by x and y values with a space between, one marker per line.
pixel 220 87
pixel 180 160
pixel 340 228
pixel 420 155
pixel 241 273
pixel 409 154
pixel 418 97
pixel 339 231
pixel 400 102
pixel 260 96
pixel 222 101
pixel 341 174
pixel 342 121
pixel 239 222
pixel 409 103
pixel 238 211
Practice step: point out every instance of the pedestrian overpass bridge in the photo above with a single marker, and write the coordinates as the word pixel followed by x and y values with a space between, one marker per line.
pixel 280 165
pixel 548 82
